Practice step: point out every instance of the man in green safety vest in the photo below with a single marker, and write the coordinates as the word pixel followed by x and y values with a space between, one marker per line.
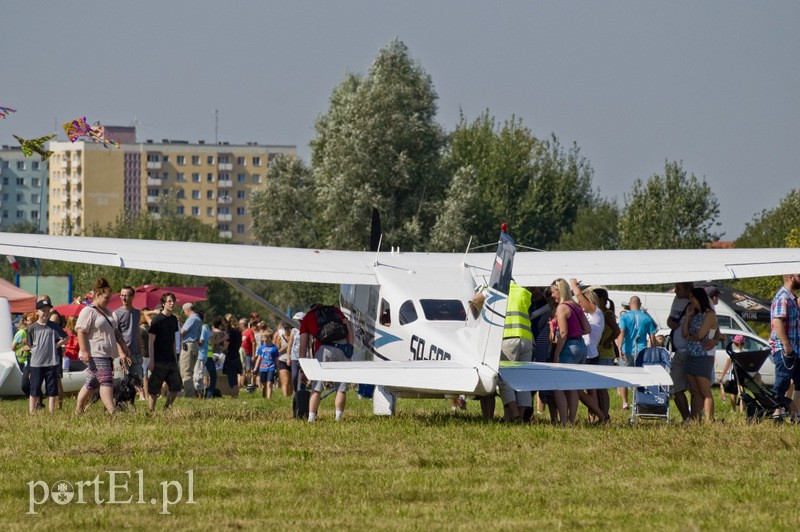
pixel 517 347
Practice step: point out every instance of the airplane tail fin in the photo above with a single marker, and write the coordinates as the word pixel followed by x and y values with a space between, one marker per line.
pixel 491 322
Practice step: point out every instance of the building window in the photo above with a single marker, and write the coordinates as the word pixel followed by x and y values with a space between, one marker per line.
pixel 5 197
pixel 209 211
pixel 181 160
pixel 152 209
pixel 210 178
pixel 34 198
pixel 240 161
pixel 34 181
pixel 5 214
pixel 210 159
pixel 166 158
pixel 20 165
pixel 34 215
pixel 179 210
pixel 256 161
pixel 19 198
pixel 195 194
pixel 209 194
pixel 195 211
pixel 165 177
pixel 240 194
pixel 240 211
pixel 256 179
pixel 223 227
pixel 223 159
pixel 20 181
pixel 180 177
pixel 152 192
pixel 20 215
pixel 224 177
pixel 196 177
pixel 180 194
pixel 240 228
pixel 3 164
pixel 195 160
pixel 224 210
pixel 34 165
pixel 153 158
pixel 5 180
pixel 240 178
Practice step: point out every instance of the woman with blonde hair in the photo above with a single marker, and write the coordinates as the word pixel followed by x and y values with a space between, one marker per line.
pixel 570 326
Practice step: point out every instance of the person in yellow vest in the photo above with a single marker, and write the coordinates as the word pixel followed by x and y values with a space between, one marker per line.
pixel 517 347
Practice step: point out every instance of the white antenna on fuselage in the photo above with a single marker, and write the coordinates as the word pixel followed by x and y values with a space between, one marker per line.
pixel 380 239
pixel 464 262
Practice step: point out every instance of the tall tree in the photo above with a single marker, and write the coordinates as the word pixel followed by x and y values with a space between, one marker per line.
pixel 595 227
pixel 535 186
pixel 461 213
pixel 379 146
pixel 670 211
pixel 283 208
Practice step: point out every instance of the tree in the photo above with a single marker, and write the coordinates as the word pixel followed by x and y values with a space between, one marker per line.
pixel 461 213
pixel 778 227
pixel 669 212
pixel 595 227
pixel 379 146
pixel 535 186
pixel 283 208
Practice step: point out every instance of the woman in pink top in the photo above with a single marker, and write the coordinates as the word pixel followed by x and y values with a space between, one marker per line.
pixel 570 347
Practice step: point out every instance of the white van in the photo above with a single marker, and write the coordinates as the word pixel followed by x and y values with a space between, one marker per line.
pixel 657 304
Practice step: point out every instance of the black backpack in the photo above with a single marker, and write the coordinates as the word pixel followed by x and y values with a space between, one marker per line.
pixel 330 324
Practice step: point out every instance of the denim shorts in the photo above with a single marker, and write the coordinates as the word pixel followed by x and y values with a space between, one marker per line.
pixel 605 362
pixel 574 352
pixel 784 375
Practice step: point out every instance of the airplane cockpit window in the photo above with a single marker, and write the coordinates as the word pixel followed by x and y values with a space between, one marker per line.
pixel 385 317
pixel 443 309
pixel 408 313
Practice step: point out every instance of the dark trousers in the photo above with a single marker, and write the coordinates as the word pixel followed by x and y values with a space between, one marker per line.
pixel 212 374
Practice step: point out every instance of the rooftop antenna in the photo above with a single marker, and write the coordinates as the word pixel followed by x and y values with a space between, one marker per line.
pixel 216 126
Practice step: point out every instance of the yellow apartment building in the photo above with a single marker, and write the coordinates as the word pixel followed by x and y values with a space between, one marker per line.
pixel 91 184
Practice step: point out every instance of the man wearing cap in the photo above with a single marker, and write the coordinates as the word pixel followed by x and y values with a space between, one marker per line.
pixel 190 347
pixel 44 340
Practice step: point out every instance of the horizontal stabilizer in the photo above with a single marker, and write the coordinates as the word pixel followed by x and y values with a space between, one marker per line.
pixel 532 376
pixel 436 376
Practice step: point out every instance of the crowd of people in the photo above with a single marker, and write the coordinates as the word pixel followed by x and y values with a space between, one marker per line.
pixel 563 323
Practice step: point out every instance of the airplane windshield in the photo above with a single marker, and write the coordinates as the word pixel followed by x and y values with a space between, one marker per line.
pixel 443 309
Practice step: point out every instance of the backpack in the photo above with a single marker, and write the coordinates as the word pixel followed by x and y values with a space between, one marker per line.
pixel 330 324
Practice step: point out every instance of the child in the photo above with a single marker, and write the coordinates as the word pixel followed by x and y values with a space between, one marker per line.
pixel 267 356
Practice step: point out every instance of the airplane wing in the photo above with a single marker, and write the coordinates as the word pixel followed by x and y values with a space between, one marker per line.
pixel 532 376
pixel 436 376
pixel 195 258
pixel 653 266
pixel 358 267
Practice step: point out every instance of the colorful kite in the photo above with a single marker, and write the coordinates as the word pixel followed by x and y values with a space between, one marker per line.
pixel 77 128
pixel 98 134
pixel 4 111
pixel 35 145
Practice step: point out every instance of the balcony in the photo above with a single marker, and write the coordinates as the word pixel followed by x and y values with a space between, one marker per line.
pixel 225 184
pixel 224 217
pixel 155 215
pixel 64 215
pixel 153 165
pixel 154 181
pixel 76 181
pixel 152 200
pixel 64 198
pixel 226 234
pixel 64 181
pixel 65 165
pixel 76 198
pixel 225 200
pixel 225 166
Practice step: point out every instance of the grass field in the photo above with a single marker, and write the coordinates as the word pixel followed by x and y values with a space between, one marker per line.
pixel 254 467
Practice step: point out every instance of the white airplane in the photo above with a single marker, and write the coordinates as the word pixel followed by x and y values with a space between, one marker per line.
pixel 410 309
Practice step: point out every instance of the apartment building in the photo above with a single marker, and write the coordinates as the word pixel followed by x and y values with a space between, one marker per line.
pixel 23 189
pixel 211 182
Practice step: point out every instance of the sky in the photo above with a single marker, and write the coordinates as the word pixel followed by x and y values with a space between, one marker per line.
pixel 714 84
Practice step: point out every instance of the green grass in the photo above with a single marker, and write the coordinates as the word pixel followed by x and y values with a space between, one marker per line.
pixel 257 468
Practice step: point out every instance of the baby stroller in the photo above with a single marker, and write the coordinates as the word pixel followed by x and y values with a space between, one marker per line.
pixel 651 402
pixel 759 400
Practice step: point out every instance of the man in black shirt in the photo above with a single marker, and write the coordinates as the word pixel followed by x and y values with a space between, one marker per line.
pixel 163 364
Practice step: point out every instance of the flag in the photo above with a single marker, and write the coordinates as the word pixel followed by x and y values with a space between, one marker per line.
pixel 13 262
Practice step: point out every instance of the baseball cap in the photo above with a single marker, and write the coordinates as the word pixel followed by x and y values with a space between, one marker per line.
pixel 43 303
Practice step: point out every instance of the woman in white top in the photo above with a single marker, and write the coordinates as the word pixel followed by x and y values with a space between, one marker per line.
pixel 597 322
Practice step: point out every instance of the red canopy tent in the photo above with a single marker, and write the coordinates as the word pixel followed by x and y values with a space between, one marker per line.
pixel 19 300
pixel 149 296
